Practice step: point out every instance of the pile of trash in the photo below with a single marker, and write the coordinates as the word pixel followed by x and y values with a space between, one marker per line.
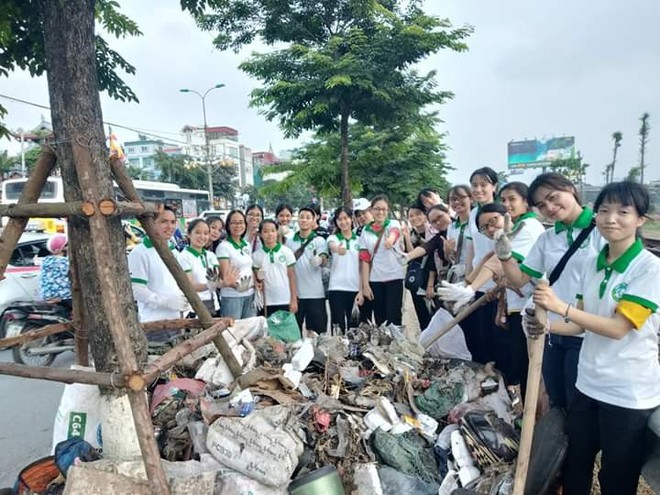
pixel 367 412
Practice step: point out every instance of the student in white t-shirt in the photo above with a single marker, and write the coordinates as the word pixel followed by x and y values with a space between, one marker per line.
pixel 381 273
pixel 254 214
pixel 157 294
pixel 273 266
pixel 557 199
pixel 457 244
pixel 311 252
pixel 196 261
pixel 234 253
pixel 479 328
pixel 618 382
pixel 344 270
pixel 284 215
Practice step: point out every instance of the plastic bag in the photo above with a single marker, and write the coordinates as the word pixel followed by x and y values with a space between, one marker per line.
pixel 283 326
pixel 79 413
pixel 450 345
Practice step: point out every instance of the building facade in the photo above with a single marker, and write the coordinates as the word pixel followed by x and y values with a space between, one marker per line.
pixel 141 153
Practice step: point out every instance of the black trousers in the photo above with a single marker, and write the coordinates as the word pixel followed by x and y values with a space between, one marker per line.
pixel 423 314
pixel 277 307
pixel 341 307
pixel 479 330
pixel 388 300
pixel 511 347
pixel 366 311
pixel 560 361
pixel 313 314
pixel 620 434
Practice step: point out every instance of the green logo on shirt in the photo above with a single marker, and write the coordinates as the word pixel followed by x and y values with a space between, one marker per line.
pixel 282 258
pixel 618 291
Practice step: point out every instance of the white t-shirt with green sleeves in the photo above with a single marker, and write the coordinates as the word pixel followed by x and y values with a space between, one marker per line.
pixel 239 255
pixel 550 248
pixel 624 372
pixel 196 263
pixel 276 263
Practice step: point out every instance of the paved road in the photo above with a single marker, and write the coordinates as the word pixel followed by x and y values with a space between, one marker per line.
pixel 28 412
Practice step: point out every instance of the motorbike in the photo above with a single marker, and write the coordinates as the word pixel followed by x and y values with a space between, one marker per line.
pixel 22 317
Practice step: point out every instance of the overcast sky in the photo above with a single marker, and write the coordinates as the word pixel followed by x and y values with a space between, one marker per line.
pixel 534 70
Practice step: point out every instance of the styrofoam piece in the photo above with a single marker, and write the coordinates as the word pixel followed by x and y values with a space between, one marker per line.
pixel 459 450
pixel 292 374
pixel 374 420
pixel 366 480
pixel 303 356
pixel 467 474
pixel 449 483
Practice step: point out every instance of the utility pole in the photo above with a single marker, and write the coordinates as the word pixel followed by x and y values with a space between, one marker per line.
pixel 643 140
pixel 207 148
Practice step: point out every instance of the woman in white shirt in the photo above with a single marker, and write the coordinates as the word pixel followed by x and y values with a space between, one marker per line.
pixel 381 273
pixel 344 269
pixel 196 260
pixel 234 253
pixel 618 380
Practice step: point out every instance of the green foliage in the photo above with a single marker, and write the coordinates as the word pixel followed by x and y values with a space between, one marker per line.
pixel 291 190
pixel 137 172
pixel 224 181
pixel 571 168
pixel 398 162
pixel 634 174
pixel 22 45
pixel 343 60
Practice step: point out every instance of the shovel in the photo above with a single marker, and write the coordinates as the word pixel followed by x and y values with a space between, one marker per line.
pixel 536 347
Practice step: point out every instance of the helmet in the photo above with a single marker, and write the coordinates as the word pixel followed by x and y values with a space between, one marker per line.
pixel 57 243
pixel 361 204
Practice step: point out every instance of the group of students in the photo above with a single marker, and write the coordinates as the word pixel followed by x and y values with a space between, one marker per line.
pixel 599 285
pixel 590 271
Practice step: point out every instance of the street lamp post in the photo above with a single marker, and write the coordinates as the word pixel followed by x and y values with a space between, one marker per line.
pixel 209 165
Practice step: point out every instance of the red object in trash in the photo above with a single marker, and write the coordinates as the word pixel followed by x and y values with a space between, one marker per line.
pixel 321 419
pixel 165 390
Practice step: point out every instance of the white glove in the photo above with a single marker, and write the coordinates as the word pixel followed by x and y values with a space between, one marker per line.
pixel 283 230
pixel 457 293
pixel 211 285
pixel 532 327
pixel 258 301
pixel 244 283
pixel 176 302
pixel 503 245
pixel 316 261
pixel 261 274
pixel 456 273
pixel 401 257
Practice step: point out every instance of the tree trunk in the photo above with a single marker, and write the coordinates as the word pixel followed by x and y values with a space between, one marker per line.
pixel 77 124
pixel 346 196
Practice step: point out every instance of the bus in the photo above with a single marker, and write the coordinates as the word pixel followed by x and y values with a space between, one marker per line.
pixel 187 202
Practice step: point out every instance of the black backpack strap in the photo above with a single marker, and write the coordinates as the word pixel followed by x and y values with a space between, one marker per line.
pixel 559 267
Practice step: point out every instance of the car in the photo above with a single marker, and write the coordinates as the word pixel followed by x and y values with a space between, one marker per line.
pixel 21 282
pixel 214 213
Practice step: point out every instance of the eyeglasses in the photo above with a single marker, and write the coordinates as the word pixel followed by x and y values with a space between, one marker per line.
pixel 492 223
pixel 237 223
pixel 453 199
pixel 380 209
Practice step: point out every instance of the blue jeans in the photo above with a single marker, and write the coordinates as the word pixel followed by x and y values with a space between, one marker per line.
pixel 560 360
pixel 237 307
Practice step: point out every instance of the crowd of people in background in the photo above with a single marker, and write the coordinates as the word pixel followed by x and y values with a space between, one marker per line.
pixel 589 270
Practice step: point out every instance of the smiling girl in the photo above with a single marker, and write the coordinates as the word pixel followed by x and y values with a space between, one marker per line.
pixel 196 260
pixel 556 199
pixel 344 270
pixel 618 381
pixel 273 265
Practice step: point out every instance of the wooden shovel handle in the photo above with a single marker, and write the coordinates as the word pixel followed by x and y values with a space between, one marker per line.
pixel 535 347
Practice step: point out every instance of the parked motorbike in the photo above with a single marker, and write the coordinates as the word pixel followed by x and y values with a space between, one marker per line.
pixel 20 318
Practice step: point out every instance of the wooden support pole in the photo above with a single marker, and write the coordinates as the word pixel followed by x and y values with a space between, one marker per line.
pixel 81 335
pixel 31 192
pixel 128 365
pixel 81 208
pixel 126 185
pixel 159 325
pixel 165 361
pixel 35 334
pixel 64 376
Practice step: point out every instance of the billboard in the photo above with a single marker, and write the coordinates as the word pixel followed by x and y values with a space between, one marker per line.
pixel 539 153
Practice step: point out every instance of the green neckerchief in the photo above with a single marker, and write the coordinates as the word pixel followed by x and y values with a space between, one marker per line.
pixel 271 252
pixel 238 247
pixel 370 227
pixel 620 264
pixel 198 254
pixel 148 243
pixel 297 237
pixel 341 237
pixel 581 222
pixel 458 224
pixel 524 216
